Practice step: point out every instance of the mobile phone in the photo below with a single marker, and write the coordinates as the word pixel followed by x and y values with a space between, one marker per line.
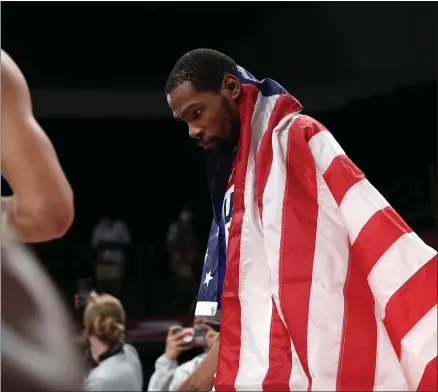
pixel 199 336
pixel 195 336
pixel 188 334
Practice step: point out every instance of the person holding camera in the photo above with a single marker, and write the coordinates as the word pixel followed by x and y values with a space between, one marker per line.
pixel 117 366
pixel 168 376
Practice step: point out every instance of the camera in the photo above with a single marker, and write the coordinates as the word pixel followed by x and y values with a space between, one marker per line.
pixel 193 336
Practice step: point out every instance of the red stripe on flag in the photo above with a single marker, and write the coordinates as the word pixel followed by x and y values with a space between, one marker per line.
pixel 284 105
pixel 280 356
pixel 429 380
pixel 357 360
pixel 311 127
pixel 341 175
pixel 377 236
pixel 411 303
pixel 229 349
pixel 297 251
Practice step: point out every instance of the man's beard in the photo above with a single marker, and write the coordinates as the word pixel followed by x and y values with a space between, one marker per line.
pixel 230 120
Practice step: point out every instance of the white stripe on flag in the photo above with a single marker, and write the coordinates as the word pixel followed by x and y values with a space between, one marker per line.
pixel 360 203
pixel 260 120
pixel 419 347
pixel 254 283
pixel 389 373
pixel 272 220
pixel 326 309
pixel 392 271
pixel 324 149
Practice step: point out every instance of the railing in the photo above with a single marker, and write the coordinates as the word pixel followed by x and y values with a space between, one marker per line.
pixel 148 287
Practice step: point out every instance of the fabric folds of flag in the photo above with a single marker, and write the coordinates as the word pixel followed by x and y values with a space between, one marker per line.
pixel 218 171
pixel 326 287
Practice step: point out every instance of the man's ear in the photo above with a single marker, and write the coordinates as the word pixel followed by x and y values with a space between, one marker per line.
pixel 231 87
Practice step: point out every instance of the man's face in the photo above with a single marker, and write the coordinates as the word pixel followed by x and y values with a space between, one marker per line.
pixel 213 118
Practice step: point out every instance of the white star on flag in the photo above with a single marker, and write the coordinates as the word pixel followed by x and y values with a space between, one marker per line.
pixel 208 277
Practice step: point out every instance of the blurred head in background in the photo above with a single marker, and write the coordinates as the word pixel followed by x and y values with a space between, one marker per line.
pixel 106 220
pixel 186 214
pixel 104 322
pixel 202 90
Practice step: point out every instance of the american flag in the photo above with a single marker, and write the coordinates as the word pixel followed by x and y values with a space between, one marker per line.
pixel 218 172
pixel 326 287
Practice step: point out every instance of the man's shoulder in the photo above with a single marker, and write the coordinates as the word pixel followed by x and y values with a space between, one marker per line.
pixel 303 124
pixel 306 121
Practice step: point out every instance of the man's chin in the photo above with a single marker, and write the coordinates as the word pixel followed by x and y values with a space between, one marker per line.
pixel 209 145
pixel 226 147
pixel 223 148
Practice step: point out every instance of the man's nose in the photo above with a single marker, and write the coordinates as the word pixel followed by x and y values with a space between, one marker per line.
pixel 194 131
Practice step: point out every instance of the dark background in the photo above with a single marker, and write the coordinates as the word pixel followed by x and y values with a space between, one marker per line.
pixel 97 70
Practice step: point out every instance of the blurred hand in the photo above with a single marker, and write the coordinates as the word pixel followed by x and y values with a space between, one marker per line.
pixel 210 338
pixel 175 344
pixel 202 379
pixel 210 334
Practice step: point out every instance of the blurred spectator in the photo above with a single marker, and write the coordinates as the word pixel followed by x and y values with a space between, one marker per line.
pixel 110 230
pixel 117 366
pixel 183 250
pixel 38 349
pixel 109 242
pixel 168 376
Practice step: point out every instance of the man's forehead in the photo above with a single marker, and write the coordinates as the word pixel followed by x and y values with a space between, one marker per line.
pixel 180 107
pixel 169 102
pixel 181 93
pixel 182 98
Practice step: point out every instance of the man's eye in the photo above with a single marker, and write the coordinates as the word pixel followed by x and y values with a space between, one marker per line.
pixel 198 112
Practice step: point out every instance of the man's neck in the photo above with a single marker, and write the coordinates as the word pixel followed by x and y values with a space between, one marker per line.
pixel 97 348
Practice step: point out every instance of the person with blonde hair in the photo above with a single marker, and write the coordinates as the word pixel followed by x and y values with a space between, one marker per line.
pixel 117 366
